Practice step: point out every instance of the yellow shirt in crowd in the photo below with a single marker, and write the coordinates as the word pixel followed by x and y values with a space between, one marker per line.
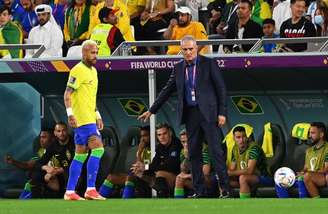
pixel 133 5
pixel 123 19
pixel 196 29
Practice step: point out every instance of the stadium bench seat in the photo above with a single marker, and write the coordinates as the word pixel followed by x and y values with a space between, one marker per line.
pixel 75 51
pixel 279 147
pixel 128 150
pixel 279 151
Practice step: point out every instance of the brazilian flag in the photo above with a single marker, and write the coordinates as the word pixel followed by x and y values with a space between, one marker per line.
pixel 133 106
pixel 11 33
pixel 247 105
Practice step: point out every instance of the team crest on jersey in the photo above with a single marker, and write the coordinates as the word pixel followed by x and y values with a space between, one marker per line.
pixel 174 154
pixel 243 165
pixel 72 80
pixel 313 163
pixel 68 155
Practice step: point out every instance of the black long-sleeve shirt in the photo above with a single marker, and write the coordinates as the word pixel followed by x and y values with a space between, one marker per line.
pixel 60 155
pixel 251 30
pixel 167 158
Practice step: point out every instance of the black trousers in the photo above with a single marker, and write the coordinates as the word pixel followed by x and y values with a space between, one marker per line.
pixel 200 131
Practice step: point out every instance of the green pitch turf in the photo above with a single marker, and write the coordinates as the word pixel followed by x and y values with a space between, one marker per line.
pixel 166 206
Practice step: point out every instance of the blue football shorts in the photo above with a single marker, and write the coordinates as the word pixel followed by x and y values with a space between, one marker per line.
pixel 83 133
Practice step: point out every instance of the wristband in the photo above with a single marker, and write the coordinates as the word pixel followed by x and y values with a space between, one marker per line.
pixel 98 116
pixel 69 112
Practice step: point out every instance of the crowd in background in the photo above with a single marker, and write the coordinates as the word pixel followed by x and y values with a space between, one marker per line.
pixel 62 24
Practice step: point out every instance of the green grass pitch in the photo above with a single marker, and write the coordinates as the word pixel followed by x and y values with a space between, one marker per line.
pixel 166 206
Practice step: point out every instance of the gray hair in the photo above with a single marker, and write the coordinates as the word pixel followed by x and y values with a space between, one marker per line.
pixel 188 38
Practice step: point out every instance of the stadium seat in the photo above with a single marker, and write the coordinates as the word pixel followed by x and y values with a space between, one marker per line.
pixel 296 153
pixel 279 147
pixel 75 51
pixel 108 160
pixel 275 162
pixel 128 150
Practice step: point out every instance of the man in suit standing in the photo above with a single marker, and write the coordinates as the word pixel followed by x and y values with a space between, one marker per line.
pixel 202 108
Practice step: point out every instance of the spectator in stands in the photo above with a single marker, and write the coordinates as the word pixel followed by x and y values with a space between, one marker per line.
pixel 281 13
pixel 243 28
pixel 229 15
pixel 123 22
pixel 45 140
pixel 163 168
pixel 184 179
pixel 215 9
pixel 93 11
pixel 143 157
pixel 16 10
pixel 107 36
pixel 135 8
pixel 248 167
pixel 10 33
pixel 155 17
pixel 314 174
pixel 48 33
pixel 297 27
pixel 321 19
pixel 260 11
pixel 77 19
pixel 182 27
pixel 58 11
pixel 94 14
pixel 29 17
pixel 50 174
pixel 268 32
pixel 312 9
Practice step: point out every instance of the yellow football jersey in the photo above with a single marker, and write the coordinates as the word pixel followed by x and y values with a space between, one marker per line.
pixel 84 81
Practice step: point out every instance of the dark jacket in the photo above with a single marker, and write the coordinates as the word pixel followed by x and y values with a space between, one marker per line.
pixel 252 30
pixel 59 155
pixel 167 158
pixel 210 90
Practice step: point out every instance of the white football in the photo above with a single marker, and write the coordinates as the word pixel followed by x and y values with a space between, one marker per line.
pixel 284 177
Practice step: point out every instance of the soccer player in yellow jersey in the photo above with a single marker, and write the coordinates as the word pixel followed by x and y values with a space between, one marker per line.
pixel 80 101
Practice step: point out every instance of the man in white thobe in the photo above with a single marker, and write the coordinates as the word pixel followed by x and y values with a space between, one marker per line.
pixel 48 33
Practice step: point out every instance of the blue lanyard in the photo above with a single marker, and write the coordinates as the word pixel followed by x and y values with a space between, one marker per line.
pixel 193 76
